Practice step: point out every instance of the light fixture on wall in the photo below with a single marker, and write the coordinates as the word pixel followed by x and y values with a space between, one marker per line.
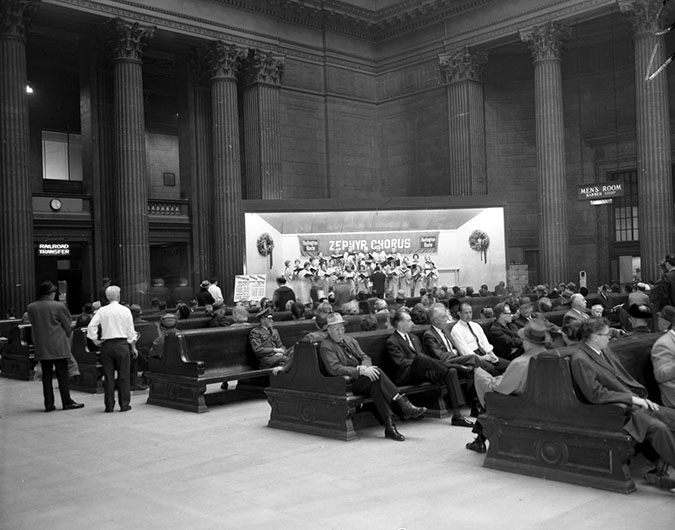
pixel 29 88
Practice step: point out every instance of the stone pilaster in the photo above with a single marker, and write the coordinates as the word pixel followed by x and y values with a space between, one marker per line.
pixel 202 202
pixel 655 191
pixel 126 42
pixel 224 61
pixel 262 142
pixel 463 73
pixel 17 266
pixel 545 44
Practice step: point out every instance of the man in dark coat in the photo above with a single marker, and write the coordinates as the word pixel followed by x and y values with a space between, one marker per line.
pixel 266 343
pixel 282 295
pixel 600 379
pixel 51 322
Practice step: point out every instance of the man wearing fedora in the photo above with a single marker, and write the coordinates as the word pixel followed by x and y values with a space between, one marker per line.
pixel 266 343
pixel 51 322
pixel 342 355
pixel 535 339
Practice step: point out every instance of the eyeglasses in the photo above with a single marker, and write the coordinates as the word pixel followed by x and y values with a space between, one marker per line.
pixel 603 334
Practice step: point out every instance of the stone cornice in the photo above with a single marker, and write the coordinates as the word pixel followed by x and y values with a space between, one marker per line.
pixel 14 16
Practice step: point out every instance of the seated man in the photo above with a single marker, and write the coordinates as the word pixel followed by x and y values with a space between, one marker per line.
pixel 663 360
pixel 536 339
pixel 342 355
pixel 413 366
pixel 266 343
pixel 577 309
pixel 600 378
pixel 469 338
pixel 503 335
pixel 167 326
pixel 239 316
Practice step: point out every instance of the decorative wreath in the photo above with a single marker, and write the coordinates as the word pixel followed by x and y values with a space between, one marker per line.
pixel 480 242
pixel 265 244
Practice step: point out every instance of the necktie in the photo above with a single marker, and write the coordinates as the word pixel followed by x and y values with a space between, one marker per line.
pixel 407 337
pixel 445 341
pixel 468 325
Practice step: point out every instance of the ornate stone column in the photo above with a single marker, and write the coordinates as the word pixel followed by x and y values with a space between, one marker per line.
pixel 17 266
pixel 130 208
pixel 262 149
pixel 655 189
pixel 202 202
pixel 545 44
pixel 224 61
pixel 463 73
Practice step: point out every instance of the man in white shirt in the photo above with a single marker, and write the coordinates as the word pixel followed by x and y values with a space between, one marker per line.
pixel 118 343
pixel 469 338
pixel 216 293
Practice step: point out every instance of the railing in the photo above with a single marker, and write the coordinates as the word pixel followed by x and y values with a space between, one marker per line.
pixel 167 207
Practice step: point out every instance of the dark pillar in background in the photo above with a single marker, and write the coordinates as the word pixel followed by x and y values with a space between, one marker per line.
pixel 17 266
pixel 224 61
pixel 262 142
pixel 127 41
pixel 545 44
pixel 655 188
pixel 463 73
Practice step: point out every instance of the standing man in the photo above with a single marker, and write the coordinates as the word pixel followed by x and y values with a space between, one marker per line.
pixel 266 343
pixel 282 295
pixel 216 293
pixel 118 344
pixel 413 366
pixel 52 323
pixel 342 355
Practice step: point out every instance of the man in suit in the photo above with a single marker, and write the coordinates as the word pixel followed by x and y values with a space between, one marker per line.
pixel 51 327
pixel 503 335
pixel 577 309
pixel 600 378
pixel 663 360
pixel 342 355
pixel 413 366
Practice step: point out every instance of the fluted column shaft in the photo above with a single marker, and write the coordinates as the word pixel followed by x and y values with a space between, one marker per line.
pixel 203 202
pixel 655 190
pixel 262 140
pixel 545 43
pixel 228 223
pixel 131 192
pixel 463 71
pixel 17 267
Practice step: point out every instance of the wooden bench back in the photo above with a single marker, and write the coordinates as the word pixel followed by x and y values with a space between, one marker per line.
pixel 19 340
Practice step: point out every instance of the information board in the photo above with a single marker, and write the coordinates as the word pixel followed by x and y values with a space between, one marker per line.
pixel 249 287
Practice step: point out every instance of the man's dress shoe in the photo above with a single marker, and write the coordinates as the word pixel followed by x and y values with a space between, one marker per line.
pixel 73 405
pixel 461 421
pixel 124 409
pixel 477 445
pixel 391 432
pixel 51 408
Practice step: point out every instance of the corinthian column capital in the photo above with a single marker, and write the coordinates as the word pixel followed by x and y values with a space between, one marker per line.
pixel 14 15
pixel 224 60
pixel 546 42
pixel 643 14
pixel 462 65
pixel 126 40
pixel 264 68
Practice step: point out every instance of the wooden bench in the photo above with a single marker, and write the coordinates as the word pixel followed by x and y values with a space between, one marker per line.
pixel 547 432
pixel 306 400
pixel 18 358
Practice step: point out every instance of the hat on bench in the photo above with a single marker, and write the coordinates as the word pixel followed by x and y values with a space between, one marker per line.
pixel 640 311
pixel 535 332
